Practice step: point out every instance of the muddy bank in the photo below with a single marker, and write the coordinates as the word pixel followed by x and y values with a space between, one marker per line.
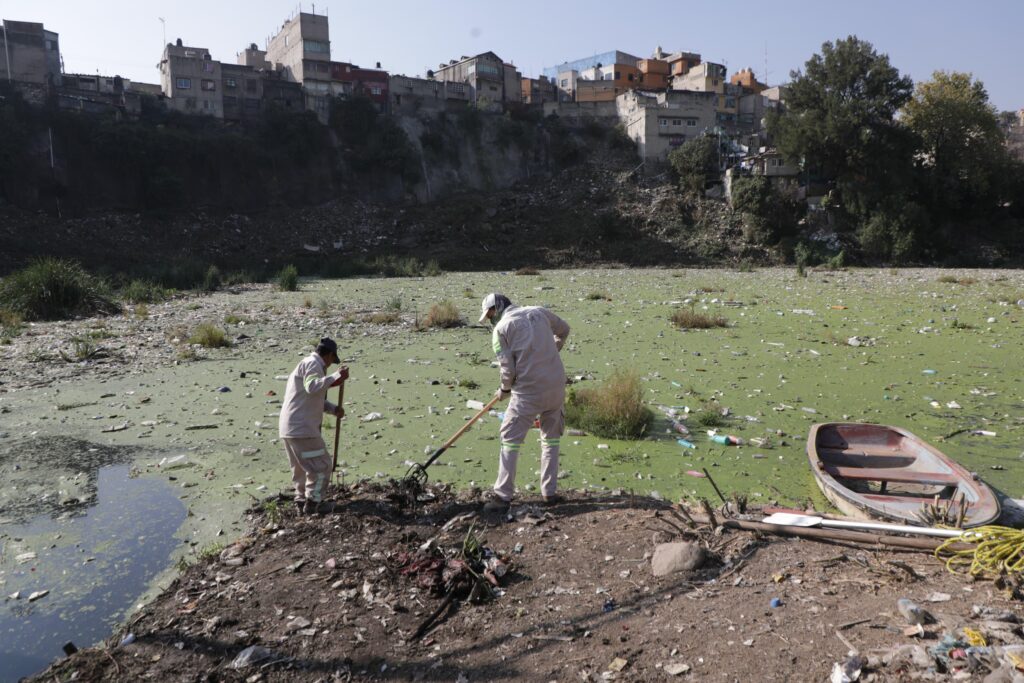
pixel 341 598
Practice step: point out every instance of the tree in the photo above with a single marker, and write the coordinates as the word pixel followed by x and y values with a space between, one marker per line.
pixel 768 215
pixel 840 121
pixel 962 147
pixel 694 162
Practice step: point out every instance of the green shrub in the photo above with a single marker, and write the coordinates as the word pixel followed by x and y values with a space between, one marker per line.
pixel 599 296
pixel 527 270
pixel 393 304
pixel 51 289
pixel 695 162
pixel 144 292
pixel 209 336
pixel 768 215
pixel 288 279
pixel 382 318
pixel 443 314
pixel 689 319
pixel 212 279
pixel 614 410
pixel 10 323
pixel 709 417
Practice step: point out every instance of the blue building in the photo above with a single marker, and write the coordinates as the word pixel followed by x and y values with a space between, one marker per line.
pixel 604 59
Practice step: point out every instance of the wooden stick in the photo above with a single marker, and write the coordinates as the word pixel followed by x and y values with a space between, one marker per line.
pixel 337 426
pixel 838 535
pixel 713 484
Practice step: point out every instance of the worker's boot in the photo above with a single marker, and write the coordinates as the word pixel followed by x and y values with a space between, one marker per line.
pixel 496 505
pixel 322 508
pixel 299 503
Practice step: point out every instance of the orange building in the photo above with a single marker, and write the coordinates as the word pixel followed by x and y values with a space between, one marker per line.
pixel 654 73
pixel 748 81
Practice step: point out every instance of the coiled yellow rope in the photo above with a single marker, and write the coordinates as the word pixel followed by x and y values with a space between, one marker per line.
pixel 997 550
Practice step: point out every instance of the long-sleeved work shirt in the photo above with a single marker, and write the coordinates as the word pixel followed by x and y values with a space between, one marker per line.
pixel 527 340
pixel 305 399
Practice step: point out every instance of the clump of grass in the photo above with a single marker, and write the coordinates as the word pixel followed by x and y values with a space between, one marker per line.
pixel 288 279
pixel 307 302
pixel 82 348
pixel 710 416
pixel 212 279
pixel 141 311
pixel 527 270
pixel 209 336
pixel 393 304
pixel 38 356
pixel 382 318
pixel 188 354
pixel 232 319
pixel 10 323
pixel 958 325
pixel 599 296
pixel 468 293
pixel 273 512
pixel 708 289
pixel 614 410
pixel 443 314
pixel 469 384
pixel 690 319
pixel 52 289
pixel 954 280
pixel 211 551
pixel 144 292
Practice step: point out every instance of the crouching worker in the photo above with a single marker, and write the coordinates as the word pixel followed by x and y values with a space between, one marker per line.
pixel 305 403
pixel 527 341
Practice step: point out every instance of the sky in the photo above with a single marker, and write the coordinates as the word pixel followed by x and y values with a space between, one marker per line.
pixel 126 37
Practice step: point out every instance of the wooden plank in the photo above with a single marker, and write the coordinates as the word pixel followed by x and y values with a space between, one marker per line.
pixel 896 475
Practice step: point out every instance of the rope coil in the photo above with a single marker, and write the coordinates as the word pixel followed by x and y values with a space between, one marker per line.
pixel 997 550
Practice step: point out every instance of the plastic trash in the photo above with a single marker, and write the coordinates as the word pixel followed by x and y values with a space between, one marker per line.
pixel 726 440
pixel 370 417
pixel 928 372
pixel 609 605
pixel 776 602
pixel 474 405
pixel 684 443
pixel 911 612
pixel 680 427
pixel 127 640
pixel 223 390
pixel 254 654
pixel 847 672
pixel 576 432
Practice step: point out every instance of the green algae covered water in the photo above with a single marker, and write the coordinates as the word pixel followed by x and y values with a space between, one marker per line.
pixel 935 352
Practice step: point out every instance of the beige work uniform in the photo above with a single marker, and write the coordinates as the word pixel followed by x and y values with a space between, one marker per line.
pixel 527 341
pixel 305 402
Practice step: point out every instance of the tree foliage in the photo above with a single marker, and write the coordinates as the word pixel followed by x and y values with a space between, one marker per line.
pixel 768 214
pixel 694 162
pixel 961 154
pixel 840 120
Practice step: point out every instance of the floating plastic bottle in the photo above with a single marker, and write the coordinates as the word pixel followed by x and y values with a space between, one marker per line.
pixel 684 443
pixel 726 440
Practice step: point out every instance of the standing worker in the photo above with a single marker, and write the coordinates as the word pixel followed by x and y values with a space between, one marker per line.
pixel 305 401
pixel 527 341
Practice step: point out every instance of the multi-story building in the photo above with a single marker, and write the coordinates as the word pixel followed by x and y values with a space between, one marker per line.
pixel 746 79
pixel 242 91
pixel 350 80
pixel 30 53
pixel 301 51
pixel 589 90
pixel 704 77
pixel 491 81
pixel 679 63
pixel 191 80
pixel 655 74
pixel 254 57
pixel 661 121
pixel 409 95
pixel 566 74
pixel 98 95
pixel 538 90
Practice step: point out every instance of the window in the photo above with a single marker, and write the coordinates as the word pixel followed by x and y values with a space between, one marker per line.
pixel 494 88
pixel 207 66
pixel 183 83
pixel 230 83
pixel 691 122
pixel 629 77
pixel 677 122
pixel 714 82
pixel 251 85
pixel 376 90
pixel 230 101
pixel 565 82
pixel 618 75
pixel 318 46
pixel 252 103
pixel 663 123
pixel 208 85
pixel 190 53
pixel 458 88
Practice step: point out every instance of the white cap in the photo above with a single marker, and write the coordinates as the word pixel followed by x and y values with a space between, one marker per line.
pixel 489 302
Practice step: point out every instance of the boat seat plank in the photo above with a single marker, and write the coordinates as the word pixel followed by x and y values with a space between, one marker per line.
pixel 894 475
pixel 864 450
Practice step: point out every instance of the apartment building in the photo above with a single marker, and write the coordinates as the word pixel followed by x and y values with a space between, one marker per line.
pixel 658 122
pixel 746 79
pixel 655 74
pixel 491 81
pixel 301 52
pixel 352 80
pixel 30 53
pixel 603 66
pixel 410 95
pixel 191 80
pixel 538 90
pixel 679 63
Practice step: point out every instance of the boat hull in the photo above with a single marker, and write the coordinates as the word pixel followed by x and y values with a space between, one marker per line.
pixel 886 473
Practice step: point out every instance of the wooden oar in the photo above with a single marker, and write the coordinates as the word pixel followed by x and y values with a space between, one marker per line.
pixel 789 519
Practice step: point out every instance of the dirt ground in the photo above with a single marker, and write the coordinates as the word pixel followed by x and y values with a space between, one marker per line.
pixel 340 597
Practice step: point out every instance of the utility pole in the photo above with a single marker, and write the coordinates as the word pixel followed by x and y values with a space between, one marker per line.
pixel 7 53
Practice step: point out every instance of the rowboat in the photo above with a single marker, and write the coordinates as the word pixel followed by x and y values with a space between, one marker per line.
pixel 877 472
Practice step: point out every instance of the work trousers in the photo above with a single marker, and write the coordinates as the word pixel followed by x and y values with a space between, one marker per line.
pixel 520 416
pixel 311 467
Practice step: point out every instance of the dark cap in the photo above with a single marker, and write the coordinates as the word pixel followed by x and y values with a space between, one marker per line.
pixel 326 345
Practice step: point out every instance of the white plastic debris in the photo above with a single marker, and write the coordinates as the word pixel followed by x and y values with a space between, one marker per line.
pixel 370 417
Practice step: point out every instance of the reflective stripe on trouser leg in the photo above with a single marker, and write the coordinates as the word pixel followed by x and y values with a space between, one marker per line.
pixel 315 466
pixel 513 433
pixel 552 424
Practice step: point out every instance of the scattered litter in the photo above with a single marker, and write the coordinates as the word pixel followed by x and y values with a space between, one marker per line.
pixel 775 602
pixel 911 612
pixel 254 654
pixel 939 597
pixel 24 557
pixel 618 664
pixel 223 390
pixel 116 428
pixel 684 443
pixel 982 432
pixel 370 417
pixel 602 446
pixel 675 668
pixel 127 640
pixel 38 594
pixel 475 405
